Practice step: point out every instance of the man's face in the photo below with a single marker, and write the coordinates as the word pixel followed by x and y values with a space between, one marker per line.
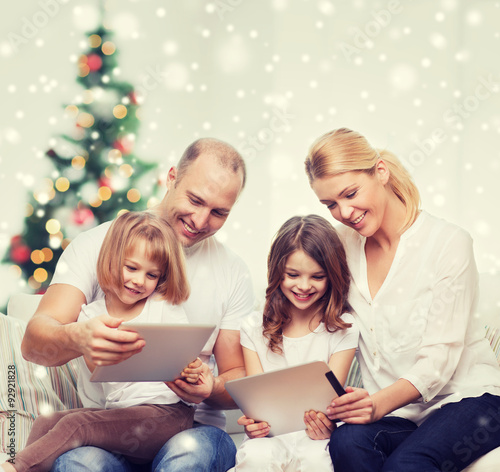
pixel 198 204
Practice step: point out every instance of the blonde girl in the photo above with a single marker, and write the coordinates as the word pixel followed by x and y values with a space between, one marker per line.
pixel 141 271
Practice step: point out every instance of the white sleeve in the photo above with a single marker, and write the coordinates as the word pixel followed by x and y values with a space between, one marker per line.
pixel 251 327
pixel 240 302
pixel 453 303
pixel 346 338
pixel 77 264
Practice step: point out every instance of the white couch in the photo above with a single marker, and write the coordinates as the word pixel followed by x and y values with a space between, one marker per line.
pixel 38 389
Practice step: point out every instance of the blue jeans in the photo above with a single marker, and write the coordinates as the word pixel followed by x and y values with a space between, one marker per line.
pixel 202 448
pixel 448 441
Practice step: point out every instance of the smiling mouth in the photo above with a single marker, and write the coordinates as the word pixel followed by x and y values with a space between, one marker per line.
pixel 358 219
pixel 189 229
pixel 303 297
pixel 131 290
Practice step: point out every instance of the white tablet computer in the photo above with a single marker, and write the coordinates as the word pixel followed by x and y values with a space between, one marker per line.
pixel 281 397
pixel 169 348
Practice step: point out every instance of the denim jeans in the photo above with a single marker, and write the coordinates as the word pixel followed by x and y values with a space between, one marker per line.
pixel 448 441
pixel 202 448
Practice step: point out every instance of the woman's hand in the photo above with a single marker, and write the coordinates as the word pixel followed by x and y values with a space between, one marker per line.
pixel 355 407
pixel 253 429
pixel 192 372
pixel 318 426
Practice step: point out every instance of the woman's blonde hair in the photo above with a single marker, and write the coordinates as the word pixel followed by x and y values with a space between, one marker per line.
pixel 344 150
pixel 162 247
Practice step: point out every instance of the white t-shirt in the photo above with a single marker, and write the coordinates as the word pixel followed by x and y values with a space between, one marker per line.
pixel 420 326
pixel 318 345
pixel 125 394
pixel 221 289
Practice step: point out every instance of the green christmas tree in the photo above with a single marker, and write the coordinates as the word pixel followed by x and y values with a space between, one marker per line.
pixel 96 173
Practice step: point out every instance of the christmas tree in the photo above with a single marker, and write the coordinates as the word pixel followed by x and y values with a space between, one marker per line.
pixel 96 174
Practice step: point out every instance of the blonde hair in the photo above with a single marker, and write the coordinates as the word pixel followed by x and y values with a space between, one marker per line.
pixel 344 150
pixel 162 246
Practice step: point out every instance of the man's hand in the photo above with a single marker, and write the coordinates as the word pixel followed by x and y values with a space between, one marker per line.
pixel 102 344
pixel 54 335
pixel 253 429
pixel 318 426
pixel 194 393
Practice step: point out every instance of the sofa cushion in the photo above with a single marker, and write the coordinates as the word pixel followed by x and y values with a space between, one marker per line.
pixel 27 389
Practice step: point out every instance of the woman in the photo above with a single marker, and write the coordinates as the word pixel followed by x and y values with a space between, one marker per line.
pixel 431 382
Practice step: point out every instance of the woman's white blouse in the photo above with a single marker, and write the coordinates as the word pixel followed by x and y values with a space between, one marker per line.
pixel 422 325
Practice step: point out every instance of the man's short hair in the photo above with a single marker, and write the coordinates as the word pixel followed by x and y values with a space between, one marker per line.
pixel 227 156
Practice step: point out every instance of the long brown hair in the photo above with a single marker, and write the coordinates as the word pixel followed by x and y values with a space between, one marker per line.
pixel 162 246
pixel 318 239
pixel 344 150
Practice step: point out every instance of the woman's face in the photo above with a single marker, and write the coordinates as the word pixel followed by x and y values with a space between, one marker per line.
pixel 356 199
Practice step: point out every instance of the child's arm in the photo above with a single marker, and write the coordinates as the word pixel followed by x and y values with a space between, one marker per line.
pixel 252 362
pixel 318 426
pixel 340 363
pixel 252 367
pixel 192 372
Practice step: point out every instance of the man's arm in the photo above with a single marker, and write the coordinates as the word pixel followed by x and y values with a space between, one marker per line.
pixel 230 365
pixel 53 335
pixel 47 339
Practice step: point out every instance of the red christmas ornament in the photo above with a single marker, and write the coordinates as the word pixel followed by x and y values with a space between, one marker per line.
pixel 94 62
pixel 124 145
pixel 104 182
pixel 20 253
pixel 133 98
pixel 82 216
pixel 16 240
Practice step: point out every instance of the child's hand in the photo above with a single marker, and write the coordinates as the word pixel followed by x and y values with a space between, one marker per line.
pixel 253 429
pixel 192 372
pixel 318 426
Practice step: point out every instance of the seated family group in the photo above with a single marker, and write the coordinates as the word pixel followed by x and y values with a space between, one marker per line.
pixel 393 284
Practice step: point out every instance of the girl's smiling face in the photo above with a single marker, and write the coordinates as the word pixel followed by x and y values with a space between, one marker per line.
pixel 304 281
pixel 140 275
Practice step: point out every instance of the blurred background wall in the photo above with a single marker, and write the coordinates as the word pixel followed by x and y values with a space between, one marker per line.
pixel 421 78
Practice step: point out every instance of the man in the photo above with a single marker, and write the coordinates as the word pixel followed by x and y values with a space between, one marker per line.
pixel 200 194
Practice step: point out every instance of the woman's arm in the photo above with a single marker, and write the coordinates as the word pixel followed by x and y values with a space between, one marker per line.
pixel 318 425
pixel 358 407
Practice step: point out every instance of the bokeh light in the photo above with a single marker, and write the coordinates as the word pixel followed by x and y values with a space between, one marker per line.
pixel 52 226
pixel 133 195
pixel 120 111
